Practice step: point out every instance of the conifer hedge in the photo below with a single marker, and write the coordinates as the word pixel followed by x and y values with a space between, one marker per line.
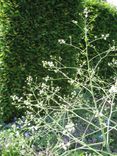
pixel 104 23
pixel 33 28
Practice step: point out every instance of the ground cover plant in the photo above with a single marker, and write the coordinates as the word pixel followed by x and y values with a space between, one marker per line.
pixel 81 123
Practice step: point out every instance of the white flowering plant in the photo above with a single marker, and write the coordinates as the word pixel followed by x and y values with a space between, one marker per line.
pixel 81 123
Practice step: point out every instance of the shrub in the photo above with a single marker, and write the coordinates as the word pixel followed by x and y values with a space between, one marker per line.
pixel 104 23
pixel 31 36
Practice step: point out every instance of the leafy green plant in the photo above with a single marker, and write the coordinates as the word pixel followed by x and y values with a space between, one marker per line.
pixel 13 143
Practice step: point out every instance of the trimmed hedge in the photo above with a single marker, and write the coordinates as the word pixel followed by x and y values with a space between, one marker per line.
pixel 104 23
pixel 32 33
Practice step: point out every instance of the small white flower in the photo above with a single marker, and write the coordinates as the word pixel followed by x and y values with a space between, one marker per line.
pixel 115 63
pixel 43 85
pixel 26 102
pixel 70 127
pixel 86 15
pixel 50 64
pixel 75 22
pixel 61 41
pixel 46 78
pixel 15 98
pixel 113 48
pixel 41 91
pixel 62 145
pixel 102 35
pixel 64 131
pixel 107 35
pixel 71 82
pixel 86 12
pixel 30 95
pixel 74 93
pixel 113 89
pixel 67 144
pixel 105 38
pixel 85 29
pixel 29 79
pixel 44 63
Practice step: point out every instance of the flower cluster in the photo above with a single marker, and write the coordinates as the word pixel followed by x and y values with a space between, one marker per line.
pixel 105 36
pixel 48 64
pixel 113 89
pixel 16 98
pixel 86 12
pixel 61 41
pixel 64 146
pixel 69 128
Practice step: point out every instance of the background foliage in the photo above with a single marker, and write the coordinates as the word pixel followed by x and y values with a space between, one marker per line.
pixel 33 30
pixel 104 23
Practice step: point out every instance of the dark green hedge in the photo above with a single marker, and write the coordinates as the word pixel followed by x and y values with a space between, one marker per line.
pixel 104 23
pixel 31 36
